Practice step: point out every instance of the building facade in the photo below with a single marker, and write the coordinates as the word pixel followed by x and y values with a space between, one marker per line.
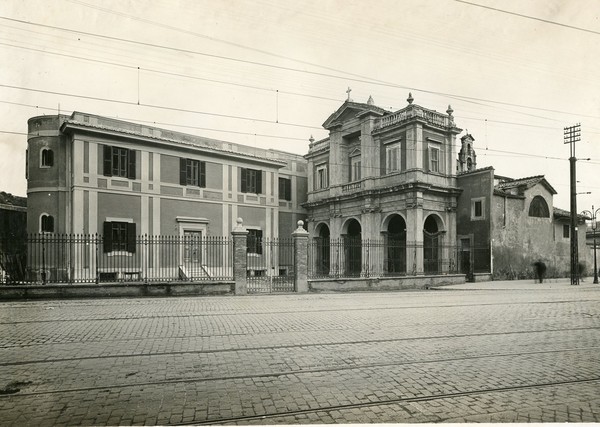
pixel 13 225
pixel 384 177
pixel 92 175
pixel 506 224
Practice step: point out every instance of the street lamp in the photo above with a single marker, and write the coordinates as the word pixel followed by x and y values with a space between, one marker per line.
pixel 593 214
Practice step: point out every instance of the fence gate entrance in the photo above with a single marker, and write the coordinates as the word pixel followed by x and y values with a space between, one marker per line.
pixel 270 265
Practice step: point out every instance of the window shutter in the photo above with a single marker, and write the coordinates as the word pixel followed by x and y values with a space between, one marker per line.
pixel 131 164
pixel 107 160
pixel 426 159
pixel 131 237
pixel 259 180
pixel 182 171
pixel 288 189
pixel 259 235
pixel 243 180
pixel 202 174
pixel 107 229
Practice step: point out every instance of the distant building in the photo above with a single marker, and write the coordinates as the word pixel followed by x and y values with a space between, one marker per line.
pixel 516 219
pixel 88 174
pixel 13 227
pixel 384 176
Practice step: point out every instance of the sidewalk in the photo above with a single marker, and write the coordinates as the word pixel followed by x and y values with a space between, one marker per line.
pixel 528 284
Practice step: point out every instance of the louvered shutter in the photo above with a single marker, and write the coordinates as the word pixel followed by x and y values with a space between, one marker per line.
pixel 131 164
pixel 243 180
pixel 107 160
pixel 259 181
pixel 182 171
pixel 131 237
pixel 107 229
pixel 259 235
pixel 202 182
pixel 426 159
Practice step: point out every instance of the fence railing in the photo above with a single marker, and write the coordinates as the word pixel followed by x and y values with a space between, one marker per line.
pixel 62 258
pixel 347 258
pixel 270 265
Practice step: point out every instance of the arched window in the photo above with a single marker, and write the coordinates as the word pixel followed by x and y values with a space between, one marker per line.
pixel 539 208
pixel 47 224
pixel 47 158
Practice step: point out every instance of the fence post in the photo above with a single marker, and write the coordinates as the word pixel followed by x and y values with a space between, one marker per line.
pixel 240 257
pixel 300 236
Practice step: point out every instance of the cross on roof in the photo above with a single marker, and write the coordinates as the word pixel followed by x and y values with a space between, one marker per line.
pixel 348 92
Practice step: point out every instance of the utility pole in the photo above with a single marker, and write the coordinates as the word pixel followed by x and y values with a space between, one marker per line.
pixel 572 134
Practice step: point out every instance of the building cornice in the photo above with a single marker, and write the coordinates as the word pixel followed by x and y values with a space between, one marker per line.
pixel 72 126
pixel 401 188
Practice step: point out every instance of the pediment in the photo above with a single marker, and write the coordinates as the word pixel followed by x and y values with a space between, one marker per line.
pixel 349 110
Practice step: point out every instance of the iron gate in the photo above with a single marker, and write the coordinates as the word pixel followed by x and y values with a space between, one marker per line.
pixel 270 265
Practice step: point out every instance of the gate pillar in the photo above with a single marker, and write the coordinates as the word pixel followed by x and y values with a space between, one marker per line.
pixel 300 236
pixel 240 260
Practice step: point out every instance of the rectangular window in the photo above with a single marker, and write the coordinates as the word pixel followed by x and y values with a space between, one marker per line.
pixel 355 168
pixel 434 159
pixel 119 236
pixel 477 208
pixel 119 162
pixel 566 231
pixel 192 172
pixel 251 181
pixel 321 178
pixel 285 189
pixel 392 158
pixel 255 241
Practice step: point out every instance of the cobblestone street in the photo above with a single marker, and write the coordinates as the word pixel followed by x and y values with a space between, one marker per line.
pixel 491 352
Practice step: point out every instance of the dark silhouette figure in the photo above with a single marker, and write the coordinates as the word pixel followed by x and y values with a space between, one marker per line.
pixel 540 270
pixel 581 271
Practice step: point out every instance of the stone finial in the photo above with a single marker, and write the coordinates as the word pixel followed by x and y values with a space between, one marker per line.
pixel 449 110
pixel 239 225
pixel 410 98
pixel 300 231
pixel 311 139
pixel 370 100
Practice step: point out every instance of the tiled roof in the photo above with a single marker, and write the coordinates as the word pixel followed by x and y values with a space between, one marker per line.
pixel 527 182
pixel 561 213
pixel 9 199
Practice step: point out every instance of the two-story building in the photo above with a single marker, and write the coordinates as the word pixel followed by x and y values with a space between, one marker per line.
pixel 388 178
pixel 92 175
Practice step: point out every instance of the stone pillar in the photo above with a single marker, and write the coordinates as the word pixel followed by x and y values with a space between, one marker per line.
pixel 300 236
pixel 240 260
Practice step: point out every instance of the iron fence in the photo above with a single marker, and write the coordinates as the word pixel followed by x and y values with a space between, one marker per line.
pixel 90 258
pixel 348 258
pixel 270 265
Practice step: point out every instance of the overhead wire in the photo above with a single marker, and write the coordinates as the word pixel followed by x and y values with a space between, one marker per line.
pixel 535 18
pixel 365 80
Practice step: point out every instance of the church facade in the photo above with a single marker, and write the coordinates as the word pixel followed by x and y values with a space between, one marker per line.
pixel 387 178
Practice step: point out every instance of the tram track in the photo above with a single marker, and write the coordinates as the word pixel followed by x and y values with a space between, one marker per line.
pixel 284 346
pixel 383 402
pixel 296 311
pixel 299 372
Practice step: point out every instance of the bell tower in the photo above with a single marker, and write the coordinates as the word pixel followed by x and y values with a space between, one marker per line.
pixel 467 159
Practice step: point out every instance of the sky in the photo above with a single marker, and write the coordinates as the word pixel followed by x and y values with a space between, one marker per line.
pixel 268 73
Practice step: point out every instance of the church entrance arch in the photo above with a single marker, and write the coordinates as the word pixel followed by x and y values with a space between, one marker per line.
pixel 395 245
pixel 432 239
pixel 352 240
pixel 322 249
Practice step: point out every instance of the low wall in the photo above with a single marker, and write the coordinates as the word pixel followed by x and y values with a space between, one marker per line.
pixel 60 291
pixel 383 283
pixel 482 277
